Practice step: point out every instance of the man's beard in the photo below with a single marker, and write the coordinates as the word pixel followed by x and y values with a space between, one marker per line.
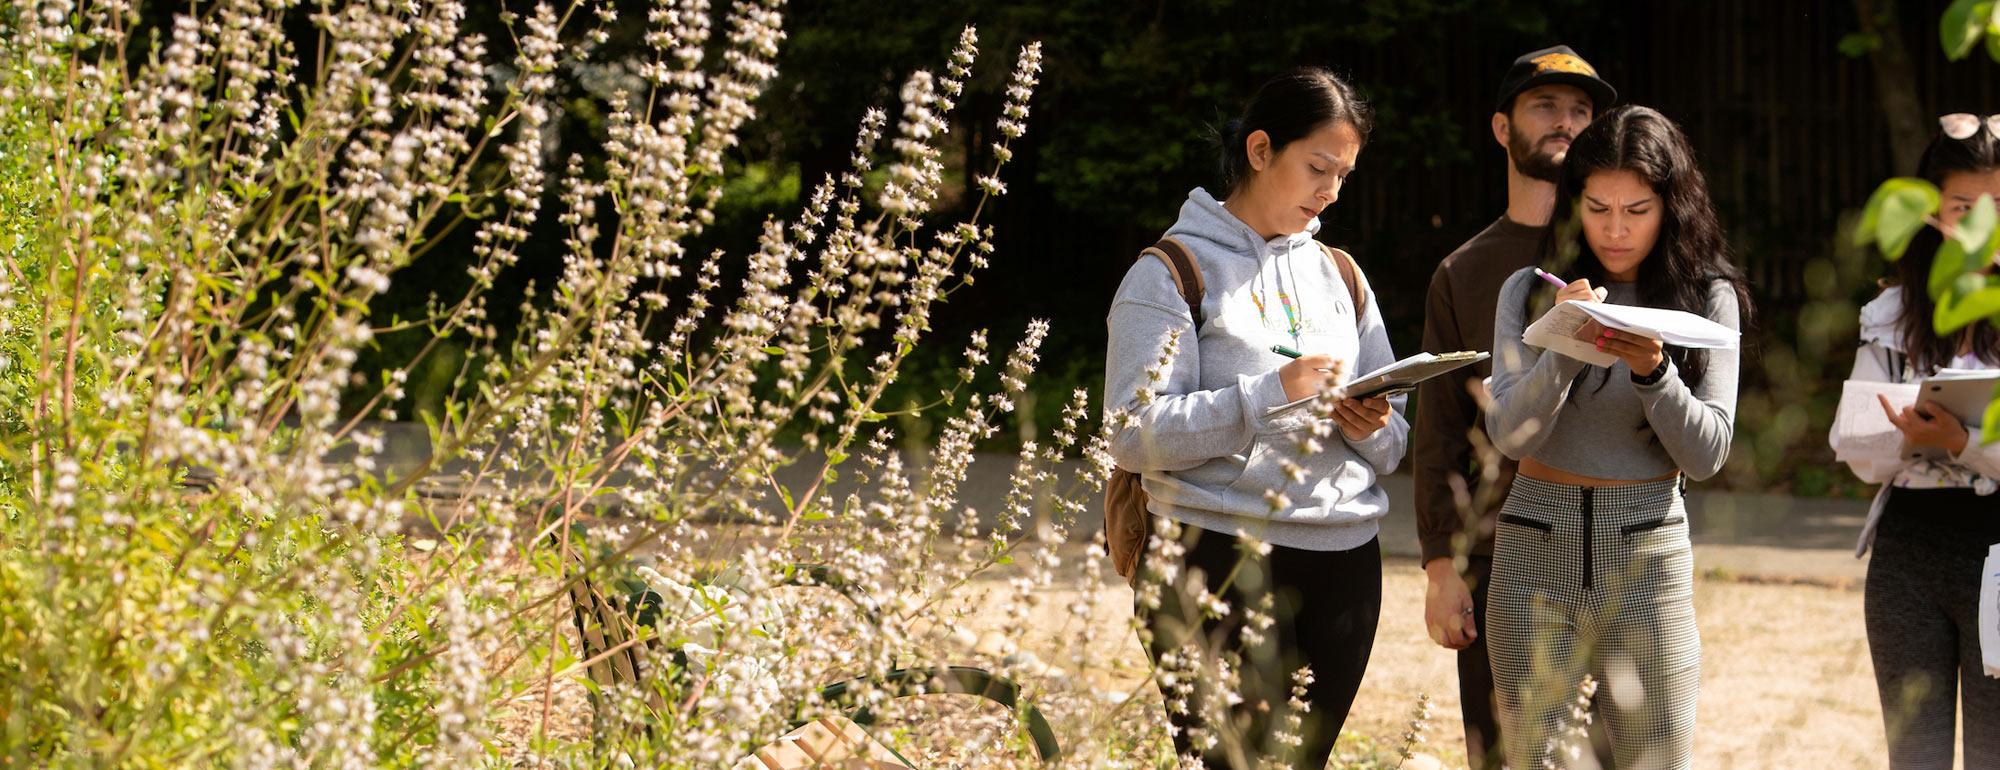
pixel 1542 166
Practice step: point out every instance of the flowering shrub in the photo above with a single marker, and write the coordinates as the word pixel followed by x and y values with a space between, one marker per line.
pixel 208 560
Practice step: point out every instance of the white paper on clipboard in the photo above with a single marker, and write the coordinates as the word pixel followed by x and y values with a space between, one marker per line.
pixel 1861 430
pixel 1989 612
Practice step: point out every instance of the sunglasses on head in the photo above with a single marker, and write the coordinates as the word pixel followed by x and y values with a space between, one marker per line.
pixel 1962 125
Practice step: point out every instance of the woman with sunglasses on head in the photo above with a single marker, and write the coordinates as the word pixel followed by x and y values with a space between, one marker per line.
pixel 1592 570
pixel 1277 566
pixel 1934 519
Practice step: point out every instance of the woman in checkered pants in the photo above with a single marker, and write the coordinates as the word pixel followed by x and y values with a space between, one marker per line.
pixel 1592 572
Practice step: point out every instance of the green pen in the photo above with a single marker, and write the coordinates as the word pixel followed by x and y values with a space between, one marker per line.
pixel 1285 351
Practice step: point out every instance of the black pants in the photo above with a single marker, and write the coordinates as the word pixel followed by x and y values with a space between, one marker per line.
pixel 1323 605
pixel 1922 613
pixel 1475 677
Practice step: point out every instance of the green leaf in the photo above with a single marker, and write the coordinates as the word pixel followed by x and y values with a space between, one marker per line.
pixel 1004 560
pixel 1972 298
pixel 1946 267
pixel 1991 431
pixel 1975 230
pixel 1961 26
pixel 1993 33
pixel 1894 214
pixel 815 515
pixel 774 350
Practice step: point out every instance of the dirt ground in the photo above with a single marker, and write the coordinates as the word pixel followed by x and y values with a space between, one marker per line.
pixel 1786 680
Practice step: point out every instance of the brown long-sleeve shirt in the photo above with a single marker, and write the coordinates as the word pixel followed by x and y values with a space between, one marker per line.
pixel 1458 315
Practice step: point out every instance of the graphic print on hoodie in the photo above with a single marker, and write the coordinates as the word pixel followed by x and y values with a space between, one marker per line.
pixel 1213 442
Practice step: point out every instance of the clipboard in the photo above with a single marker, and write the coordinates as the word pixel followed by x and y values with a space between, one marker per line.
pixel 1403 376
pixel 1397 378
pixel 1962 392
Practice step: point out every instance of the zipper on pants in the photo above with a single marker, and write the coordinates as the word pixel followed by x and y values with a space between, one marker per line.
pixel 1630 530
pixel 1589 535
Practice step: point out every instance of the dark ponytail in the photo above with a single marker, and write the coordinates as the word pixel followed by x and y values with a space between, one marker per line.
pixel 1287 108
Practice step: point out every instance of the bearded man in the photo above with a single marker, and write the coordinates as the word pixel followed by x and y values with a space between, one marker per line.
pixel 1547 97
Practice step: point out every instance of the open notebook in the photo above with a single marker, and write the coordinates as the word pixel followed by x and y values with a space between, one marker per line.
pixel 1556 329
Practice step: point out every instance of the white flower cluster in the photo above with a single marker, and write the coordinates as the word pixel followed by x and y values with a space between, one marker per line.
pixel 1567 743
pixel 279 582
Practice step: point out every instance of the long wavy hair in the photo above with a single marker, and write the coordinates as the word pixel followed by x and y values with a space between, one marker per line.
pixel 1944 156
pixel 1691 253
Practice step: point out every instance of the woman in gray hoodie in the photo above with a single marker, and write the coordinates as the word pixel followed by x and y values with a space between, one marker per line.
pixel 1264 561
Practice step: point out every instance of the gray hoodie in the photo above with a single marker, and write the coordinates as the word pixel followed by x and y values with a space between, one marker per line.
pixel 1212 446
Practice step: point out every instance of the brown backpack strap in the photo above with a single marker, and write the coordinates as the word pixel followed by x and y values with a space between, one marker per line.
pixel 1187 274
pixel 1357 286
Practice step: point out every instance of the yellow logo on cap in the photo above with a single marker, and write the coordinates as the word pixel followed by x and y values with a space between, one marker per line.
pixel 1562 62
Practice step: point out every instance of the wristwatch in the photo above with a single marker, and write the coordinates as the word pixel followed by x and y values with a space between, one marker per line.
pixel 1653 378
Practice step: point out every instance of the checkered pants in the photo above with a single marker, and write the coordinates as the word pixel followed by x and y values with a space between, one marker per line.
pixel 1598 581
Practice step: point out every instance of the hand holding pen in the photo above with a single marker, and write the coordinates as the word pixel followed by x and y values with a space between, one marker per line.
pixel 1578 290
pixel 1640 353
pixel 1358 418
pixel 1305 374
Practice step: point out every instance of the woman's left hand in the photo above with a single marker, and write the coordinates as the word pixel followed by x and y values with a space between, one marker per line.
pixel 1359 418
pixel 1927 425
pixel 1643 354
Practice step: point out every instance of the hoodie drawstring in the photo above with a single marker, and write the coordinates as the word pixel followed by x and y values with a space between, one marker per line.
pixel 1294 312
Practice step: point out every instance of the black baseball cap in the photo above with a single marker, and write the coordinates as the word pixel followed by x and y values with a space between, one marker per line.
pixel 1557 64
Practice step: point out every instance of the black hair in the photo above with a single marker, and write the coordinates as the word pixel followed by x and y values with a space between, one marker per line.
pixel 1289 107
pixel 1926 351
pixel 1691 253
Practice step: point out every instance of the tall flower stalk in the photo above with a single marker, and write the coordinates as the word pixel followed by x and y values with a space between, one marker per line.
pixel 214 550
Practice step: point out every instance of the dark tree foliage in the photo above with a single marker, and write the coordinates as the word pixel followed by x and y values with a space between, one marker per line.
pixel 1131 93
pixel 1123 122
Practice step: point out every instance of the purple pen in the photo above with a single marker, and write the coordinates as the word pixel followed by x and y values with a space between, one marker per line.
pixel 1554 281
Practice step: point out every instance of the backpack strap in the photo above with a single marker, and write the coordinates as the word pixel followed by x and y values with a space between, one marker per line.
pixel 1186 274
pixel 1350 272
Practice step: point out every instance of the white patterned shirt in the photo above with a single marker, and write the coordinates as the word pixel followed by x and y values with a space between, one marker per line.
pixel 1882 359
